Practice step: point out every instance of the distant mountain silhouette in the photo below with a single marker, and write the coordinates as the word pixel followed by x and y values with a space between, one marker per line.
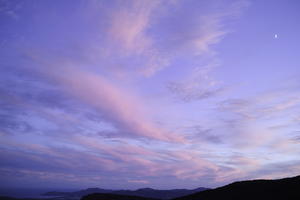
pixel 101 196
pixel 8 198
pixel 79 193
pixel 280 189
pixel 143 192
pixel 160 194
pixel 283 189
pixel 13 198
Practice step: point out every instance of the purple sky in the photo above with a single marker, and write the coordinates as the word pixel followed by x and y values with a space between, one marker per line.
pixel 148 93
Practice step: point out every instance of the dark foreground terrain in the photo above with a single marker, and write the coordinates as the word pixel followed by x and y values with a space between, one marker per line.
pixel 100 196
pixel 13 198
pixel 280 189
pixel 283 189
pixel 143 192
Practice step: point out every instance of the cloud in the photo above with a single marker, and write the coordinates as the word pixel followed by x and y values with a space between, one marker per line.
pixel 202 134
pixel 100 160
pixel 197 86
pixel 76 100
pixel 129 23
pixel 296 137
pixel 119 107
pixel 138 181
pixel 156 32
pixel 239 107
pixel 276 170
pixel 195 40
pixel 45 179
pixel 10 9
pixel 263 120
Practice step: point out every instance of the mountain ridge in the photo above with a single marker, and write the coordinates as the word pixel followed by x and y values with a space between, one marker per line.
pixel 142 192
pixel 285 188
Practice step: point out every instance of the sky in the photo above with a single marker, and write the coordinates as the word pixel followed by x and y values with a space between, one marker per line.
pixel 127 94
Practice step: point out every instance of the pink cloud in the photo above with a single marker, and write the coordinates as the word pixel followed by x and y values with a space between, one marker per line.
pixel 138 181
pixel 129 24
pixel 117 105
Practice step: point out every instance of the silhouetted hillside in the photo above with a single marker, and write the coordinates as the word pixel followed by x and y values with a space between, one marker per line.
pixel 13 198
pixel 283 189
pixel 143 192
pixel 7 198
pixel 79 193
pixel 159 194
pixel 99 196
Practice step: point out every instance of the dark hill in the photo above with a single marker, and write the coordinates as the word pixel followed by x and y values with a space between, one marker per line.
pixel 99 196
pixel 159 194
pixel 143 192
pixel 283 189
pixel 13 198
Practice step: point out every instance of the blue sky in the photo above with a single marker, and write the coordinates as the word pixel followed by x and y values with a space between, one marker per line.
pixel 163 94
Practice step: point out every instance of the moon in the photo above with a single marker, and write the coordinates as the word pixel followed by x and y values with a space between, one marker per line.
pixel 275 36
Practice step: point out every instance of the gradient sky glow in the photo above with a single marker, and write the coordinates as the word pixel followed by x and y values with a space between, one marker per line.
pixel 148 93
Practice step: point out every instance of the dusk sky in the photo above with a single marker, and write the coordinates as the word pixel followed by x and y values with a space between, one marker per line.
pixel 148 93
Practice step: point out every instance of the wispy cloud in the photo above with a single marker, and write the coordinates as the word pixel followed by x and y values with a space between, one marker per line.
pixel 83 96
pixel 123 109
pixel 197 86
pixel 10 9
pixel 138 181
pixel 129 24
pixel 196 41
